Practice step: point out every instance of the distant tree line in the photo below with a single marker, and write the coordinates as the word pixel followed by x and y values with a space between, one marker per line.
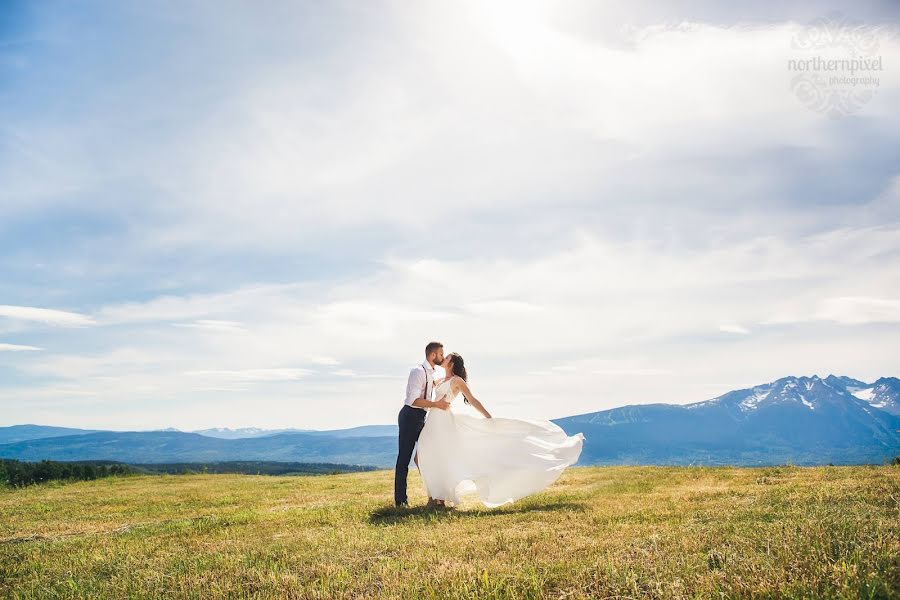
pixel 16 473
pixel 252 467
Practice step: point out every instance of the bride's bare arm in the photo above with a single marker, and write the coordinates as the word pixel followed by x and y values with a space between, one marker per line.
pixel 464 388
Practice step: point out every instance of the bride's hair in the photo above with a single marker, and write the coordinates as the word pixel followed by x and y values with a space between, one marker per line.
pixel 459 369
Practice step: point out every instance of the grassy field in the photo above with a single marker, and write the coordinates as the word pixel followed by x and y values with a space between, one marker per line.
pixel 620 532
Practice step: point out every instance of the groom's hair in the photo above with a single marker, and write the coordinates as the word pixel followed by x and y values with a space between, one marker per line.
pixel 432 347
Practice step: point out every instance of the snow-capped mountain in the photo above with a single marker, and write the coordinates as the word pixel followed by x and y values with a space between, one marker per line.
pixel 813 392
pixel 884 394
pixel 804 420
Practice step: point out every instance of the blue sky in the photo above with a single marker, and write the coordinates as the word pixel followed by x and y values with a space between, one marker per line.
pixel 217 214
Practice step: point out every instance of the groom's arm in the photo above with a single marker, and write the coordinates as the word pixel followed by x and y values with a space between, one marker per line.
pixel 414 387
pixel 425 403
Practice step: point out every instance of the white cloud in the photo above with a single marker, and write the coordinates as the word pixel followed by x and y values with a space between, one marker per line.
pixel 846 310
pixel 354 374
pixel 48 316
pixel 734 328
pixel 500 308
pixel 197 306
pixel 858 310
pixel 280 374
pixel 627 372
pixel 17 348
pixel 213 325
pixel 324 360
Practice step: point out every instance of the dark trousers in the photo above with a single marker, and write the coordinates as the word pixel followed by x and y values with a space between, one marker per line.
pixel 411 421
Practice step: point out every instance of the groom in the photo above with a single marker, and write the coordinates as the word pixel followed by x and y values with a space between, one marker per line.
pixel 412 416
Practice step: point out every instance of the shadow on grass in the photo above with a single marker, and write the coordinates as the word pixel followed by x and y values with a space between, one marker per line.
pixel 389 515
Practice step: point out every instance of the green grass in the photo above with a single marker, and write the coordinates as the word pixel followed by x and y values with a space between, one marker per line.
pixel 621 532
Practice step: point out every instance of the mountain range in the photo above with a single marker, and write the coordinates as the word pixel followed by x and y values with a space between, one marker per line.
pixel 802 420
pixel 799 420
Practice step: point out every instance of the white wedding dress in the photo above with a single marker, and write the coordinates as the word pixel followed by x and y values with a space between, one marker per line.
pixel 501 460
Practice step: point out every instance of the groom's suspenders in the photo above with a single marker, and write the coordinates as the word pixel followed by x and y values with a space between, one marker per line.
pixel 426 383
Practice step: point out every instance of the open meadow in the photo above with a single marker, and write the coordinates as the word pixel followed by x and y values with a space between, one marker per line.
pixel 599 532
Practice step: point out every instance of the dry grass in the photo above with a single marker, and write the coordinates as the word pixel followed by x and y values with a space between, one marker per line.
pixel 619 532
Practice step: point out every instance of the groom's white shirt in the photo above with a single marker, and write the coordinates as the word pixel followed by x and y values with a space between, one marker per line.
pixel 415 386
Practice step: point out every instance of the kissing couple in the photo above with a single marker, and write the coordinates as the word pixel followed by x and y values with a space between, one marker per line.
pixel 499 459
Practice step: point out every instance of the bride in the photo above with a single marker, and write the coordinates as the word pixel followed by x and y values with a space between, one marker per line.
pixel 501 460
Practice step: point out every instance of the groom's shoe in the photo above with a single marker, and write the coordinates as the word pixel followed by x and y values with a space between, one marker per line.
pixel 402 505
